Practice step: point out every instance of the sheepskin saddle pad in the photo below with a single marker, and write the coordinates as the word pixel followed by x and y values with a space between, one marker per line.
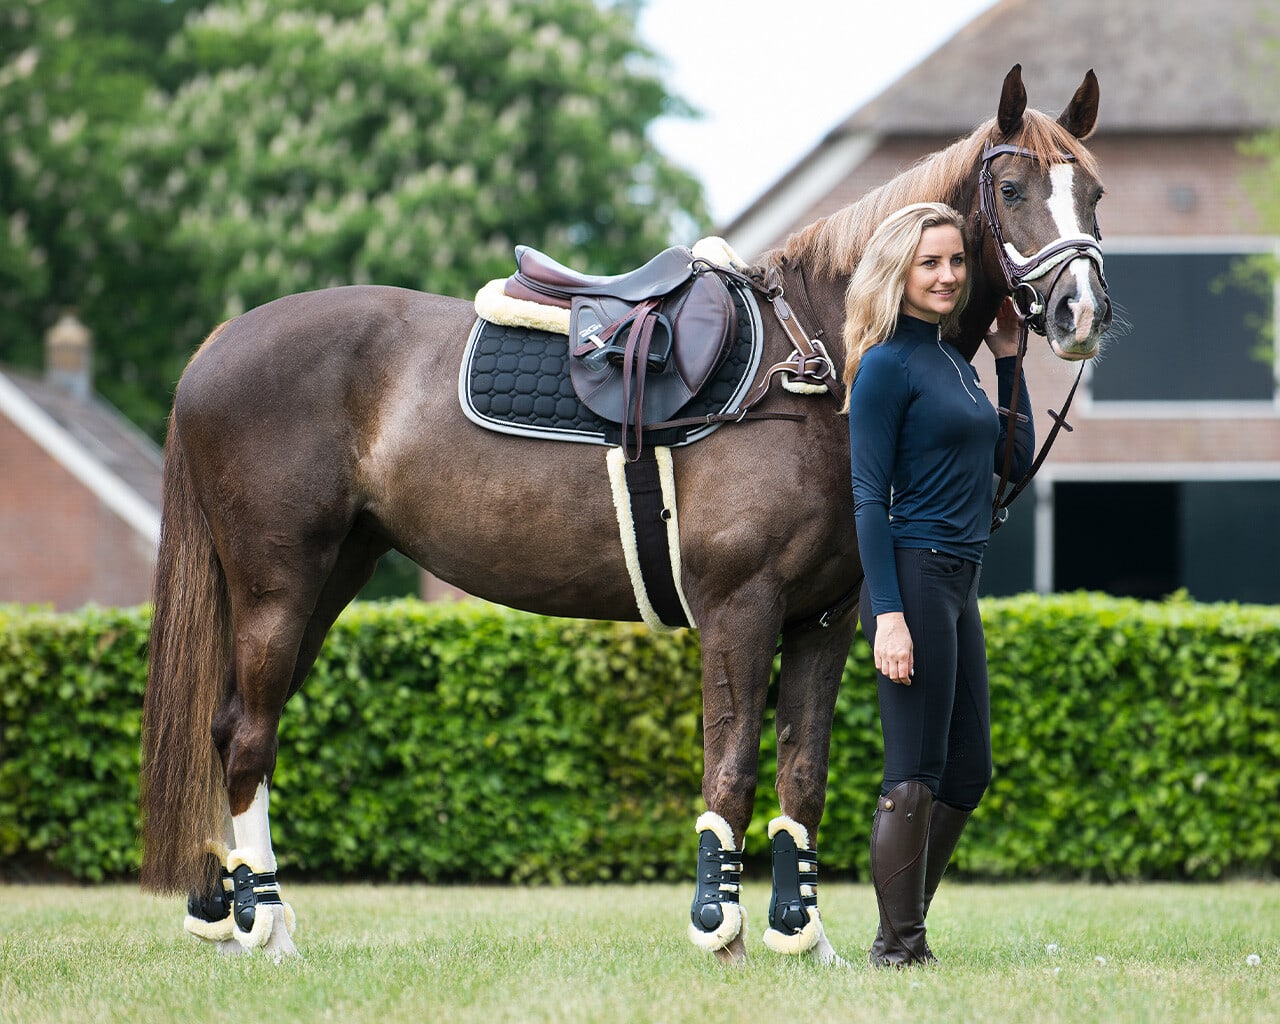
pixel 518 376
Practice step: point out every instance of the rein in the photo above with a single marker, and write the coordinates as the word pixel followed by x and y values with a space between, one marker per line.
pixel 1030 311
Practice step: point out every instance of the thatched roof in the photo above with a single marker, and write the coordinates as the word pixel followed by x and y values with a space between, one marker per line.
pixel 1163 65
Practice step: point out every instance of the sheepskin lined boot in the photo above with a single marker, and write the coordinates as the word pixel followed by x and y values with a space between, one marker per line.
pixel 899 854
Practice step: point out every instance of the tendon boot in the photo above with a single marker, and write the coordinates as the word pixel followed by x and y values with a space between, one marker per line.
pixel 794 923
pixel 899 852
pixel 945 825
pixel 716 918
pixel 209 913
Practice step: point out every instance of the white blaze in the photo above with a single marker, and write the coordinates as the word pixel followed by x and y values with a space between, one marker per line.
pixel 1062 208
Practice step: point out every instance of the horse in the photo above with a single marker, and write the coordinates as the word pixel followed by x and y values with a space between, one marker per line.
pixel 311 435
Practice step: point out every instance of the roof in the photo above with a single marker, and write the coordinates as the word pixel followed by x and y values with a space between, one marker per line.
pixel 1163 65
pixel 94 442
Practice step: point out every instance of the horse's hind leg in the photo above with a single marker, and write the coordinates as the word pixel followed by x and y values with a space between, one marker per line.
pixel 812 664
pixel 268 634
pixel 277 638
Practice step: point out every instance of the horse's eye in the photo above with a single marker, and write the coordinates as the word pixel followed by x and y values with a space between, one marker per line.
pixel 1009 191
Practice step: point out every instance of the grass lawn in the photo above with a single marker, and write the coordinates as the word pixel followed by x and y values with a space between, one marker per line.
pixel 1010 953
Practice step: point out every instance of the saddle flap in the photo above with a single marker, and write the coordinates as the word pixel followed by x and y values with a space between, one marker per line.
pixel 693 329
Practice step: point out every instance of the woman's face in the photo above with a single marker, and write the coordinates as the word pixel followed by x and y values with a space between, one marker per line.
pixel 935 279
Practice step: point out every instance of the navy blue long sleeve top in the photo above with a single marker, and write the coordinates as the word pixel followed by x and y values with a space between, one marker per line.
pixel 924 442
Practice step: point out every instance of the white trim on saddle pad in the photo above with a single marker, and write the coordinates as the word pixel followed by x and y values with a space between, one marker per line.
pixel 616 461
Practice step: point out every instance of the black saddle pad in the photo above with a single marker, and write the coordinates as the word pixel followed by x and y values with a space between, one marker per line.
pixel 515 380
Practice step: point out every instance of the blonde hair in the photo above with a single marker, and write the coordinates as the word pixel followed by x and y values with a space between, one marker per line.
pixel 874 296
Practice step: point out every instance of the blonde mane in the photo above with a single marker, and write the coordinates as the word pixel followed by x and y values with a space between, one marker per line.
pixel 832 246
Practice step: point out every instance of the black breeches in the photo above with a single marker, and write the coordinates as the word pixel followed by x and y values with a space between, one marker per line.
pixel 938 729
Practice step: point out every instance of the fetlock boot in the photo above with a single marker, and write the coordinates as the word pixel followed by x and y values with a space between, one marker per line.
pixel 945 825
pixel 899 854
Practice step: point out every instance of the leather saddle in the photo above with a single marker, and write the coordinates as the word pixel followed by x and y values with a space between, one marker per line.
pixel 642 343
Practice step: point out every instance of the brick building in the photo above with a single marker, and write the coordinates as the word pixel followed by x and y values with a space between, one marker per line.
pixel 1171 478
pixel 80 497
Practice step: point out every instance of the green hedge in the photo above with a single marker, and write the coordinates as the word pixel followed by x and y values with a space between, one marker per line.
pixel 465 742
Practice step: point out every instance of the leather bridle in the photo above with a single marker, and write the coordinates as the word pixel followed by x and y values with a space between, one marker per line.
pixel 1030 305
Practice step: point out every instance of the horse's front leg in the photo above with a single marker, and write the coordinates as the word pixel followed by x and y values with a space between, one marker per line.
pixel 737 658
pixel 812 664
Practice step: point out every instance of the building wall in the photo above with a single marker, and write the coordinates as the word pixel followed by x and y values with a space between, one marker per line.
pixel 1157 185
pixel 1175 474
pixel 61 545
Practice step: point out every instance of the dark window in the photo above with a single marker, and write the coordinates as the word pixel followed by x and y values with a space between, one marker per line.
pixel 1230 546
pixel 1215 539
pixel 1120 538
pixel 1193 334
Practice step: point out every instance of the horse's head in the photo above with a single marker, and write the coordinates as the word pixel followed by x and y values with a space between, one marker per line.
pixel 1038 196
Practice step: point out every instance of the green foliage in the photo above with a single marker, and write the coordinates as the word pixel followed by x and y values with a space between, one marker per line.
pixel 72 72
pixel 467 742
pixel 162 174
pixel 70 724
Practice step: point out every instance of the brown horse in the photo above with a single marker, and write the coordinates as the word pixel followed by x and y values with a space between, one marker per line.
pixel 313 434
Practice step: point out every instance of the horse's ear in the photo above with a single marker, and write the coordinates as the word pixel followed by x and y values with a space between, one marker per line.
pixel 1082 112
pixel 1013 102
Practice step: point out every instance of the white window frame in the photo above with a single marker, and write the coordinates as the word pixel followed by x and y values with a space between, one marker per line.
pixel 1206 409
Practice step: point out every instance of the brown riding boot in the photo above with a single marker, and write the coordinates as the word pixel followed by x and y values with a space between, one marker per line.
pixel 899 852
pixel 945 825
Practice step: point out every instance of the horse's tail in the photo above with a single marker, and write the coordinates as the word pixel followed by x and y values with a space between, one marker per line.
pixel 183 791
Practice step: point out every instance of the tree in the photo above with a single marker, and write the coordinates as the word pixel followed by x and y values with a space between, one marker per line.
pixel 409 142
pixel 71 73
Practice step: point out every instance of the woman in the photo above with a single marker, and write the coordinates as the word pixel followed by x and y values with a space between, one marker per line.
pixel 925 442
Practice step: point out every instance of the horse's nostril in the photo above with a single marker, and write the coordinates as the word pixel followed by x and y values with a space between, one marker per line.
pixel 1064 317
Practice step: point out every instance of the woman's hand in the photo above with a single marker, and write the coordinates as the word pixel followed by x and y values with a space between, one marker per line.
pixel 894 654
pixel 1002 335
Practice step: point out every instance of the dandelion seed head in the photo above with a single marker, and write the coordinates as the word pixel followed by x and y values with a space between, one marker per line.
pixel 1051 948
pixel 1253 960
pixel 1101 961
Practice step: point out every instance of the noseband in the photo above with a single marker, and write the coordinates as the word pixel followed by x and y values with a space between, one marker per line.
pixel 1031 306
pixel 1019 272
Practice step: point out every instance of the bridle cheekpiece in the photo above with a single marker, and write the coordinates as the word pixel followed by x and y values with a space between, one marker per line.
pixel 1020 271
pixel 1031 306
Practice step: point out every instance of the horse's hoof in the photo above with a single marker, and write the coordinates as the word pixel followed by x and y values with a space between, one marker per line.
pixel 279 941
pixel 734 953
pixel 824 953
